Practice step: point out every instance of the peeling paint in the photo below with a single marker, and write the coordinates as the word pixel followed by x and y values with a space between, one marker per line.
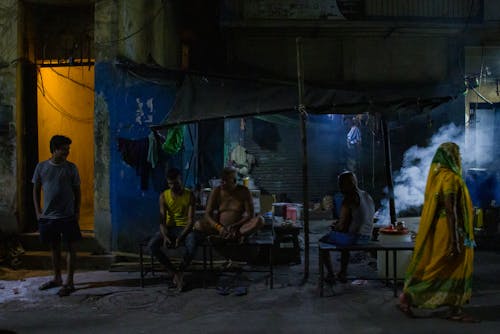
pixel 102 154
pixel 8 182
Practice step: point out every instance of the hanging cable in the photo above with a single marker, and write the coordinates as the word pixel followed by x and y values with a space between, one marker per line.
pixel 72 80
pixel 148 22
pixel 54 104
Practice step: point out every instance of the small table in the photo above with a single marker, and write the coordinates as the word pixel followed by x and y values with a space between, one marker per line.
pixel 287 242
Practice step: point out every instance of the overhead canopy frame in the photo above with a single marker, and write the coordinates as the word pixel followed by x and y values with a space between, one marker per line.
pixel 202 98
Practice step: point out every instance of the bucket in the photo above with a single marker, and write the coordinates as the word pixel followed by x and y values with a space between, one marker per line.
pixel 291 213
pixel 279 209
pixel 403 257
pixel 300 210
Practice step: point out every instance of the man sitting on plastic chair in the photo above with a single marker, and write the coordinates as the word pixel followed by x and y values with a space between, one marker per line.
pixel 354 225
pixel 177 205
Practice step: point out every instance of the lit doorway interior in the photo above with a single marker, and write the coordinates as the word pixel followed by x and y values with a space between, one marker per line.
pixel 66 107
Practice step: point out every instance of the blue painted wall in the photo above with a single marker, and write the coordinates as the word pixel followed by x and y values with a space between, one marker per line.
pixel 134 212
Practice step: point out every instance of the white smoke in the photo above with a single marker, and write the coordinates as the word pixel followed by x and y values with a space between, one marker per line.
pixel 410 180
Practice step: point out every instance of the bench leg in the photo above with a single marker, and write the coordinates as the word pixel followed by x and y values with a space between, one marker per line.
pixel 321 272
pixel 141 265
pixel 204 266
pixel 211 257
pixel 395 272
pixel 386 268
pixel 152 265
pixel 271 267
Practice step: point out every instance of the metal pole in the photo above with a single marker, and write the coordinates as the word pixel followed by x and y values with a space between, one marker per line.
pixel 303 127
pixel 388 170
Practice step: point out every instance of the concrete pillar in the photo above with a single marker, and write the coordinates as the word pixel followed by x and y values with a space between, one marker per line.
pixel 8 55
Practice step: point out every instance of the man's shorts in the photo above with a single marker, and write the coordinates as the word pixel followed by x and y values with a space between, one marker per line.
pixel 344 239
pixel 53 230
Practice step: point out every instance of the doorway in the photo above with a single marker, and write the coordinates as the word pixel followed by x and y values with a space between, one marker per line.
pixel 65 96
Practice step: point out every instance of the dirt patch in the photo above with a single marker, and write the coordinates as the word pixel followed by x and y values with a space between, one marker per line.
pixel 8 274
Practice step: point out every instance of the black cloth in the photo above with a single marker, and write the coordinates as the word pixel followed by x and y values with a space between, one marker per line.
pixel 135 154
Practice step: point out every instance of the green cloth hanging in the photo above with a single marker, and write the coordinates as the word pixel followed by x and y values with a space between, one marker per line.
pixel 174 139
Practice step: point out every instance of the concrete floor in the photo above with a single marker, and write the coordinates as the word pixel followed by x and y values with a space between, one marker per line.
pixel 113 302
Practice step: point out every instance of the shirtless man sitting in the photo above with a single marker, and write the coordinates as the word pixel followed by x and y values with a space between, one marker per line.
pixel 229 212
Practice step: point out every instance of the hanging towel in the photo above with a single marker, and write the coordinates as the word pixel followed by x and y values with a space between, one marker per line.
pixel 174 140
pixel 152 150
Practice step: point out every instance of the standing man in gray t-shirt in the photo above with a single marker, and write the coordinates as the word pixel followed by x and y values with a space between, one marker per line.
pixel 58 220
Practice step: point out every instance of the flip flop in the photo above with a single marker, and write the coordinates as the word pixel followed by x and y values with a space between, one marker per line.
pixel 463 318
pixel 240 291
pixel 66 290
pixel 49 285
pixel 406 310
pixel 223 290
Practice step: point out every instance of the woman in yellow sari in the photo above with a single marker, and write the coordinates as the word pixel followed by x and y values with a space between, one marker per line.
pixel 440 271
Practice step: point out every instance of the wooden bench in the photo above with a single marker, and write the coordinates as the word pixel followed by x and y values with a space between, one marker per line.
pixel 263 239
pixel 371 246
pixel 144 270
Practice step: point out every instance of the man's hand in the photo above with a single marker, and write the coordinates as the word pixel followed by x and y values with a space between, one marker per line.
pixel 166 241
pixel 230 232
pixel 333 225
pixel 179 241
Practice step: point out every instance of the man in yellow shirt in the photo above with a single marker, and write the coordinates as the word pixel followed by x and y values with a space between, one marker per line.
pixel 177 205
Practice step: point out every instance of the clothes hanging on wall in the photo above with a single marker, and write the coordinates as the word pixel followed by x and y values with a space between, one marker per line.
pixel 135 154
pixel 152 150
pixel 174 139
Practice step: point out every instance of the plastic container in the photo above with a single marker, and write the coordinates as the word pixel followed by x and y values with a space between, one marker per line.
pixel 291 213
pixel 403 257
pixel 279 209
pixel 300 210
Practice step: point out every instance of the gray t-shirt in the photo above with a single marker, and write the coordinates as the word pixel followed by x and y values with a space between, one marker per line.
pixel 57 182
pixel 362 216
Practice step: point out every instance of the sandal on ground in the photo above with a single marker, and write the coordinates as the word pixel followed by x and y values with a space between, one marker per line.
pixel 66 290
pixel 406 310
pixel 49 285
pixel 240 291
pixel 462 317
pixel 223 290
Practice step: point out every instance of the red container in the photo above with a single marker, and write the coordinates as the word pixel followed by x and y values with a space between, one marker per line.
pixel 291 212
pixel 279 209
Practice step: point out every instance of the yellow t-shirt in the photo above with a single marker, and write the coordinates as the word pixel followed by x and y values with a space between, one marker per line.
pixel 177 208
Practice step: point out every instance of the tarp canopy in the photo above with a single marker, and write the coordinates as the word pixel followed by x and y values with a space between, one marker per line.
pixel 203 98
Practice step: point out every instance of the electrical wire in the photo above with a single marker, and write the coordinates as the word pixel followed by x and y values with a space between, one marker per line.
pixel 148 22
pixel 156 82
pixel 72 80
pixel 54 104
